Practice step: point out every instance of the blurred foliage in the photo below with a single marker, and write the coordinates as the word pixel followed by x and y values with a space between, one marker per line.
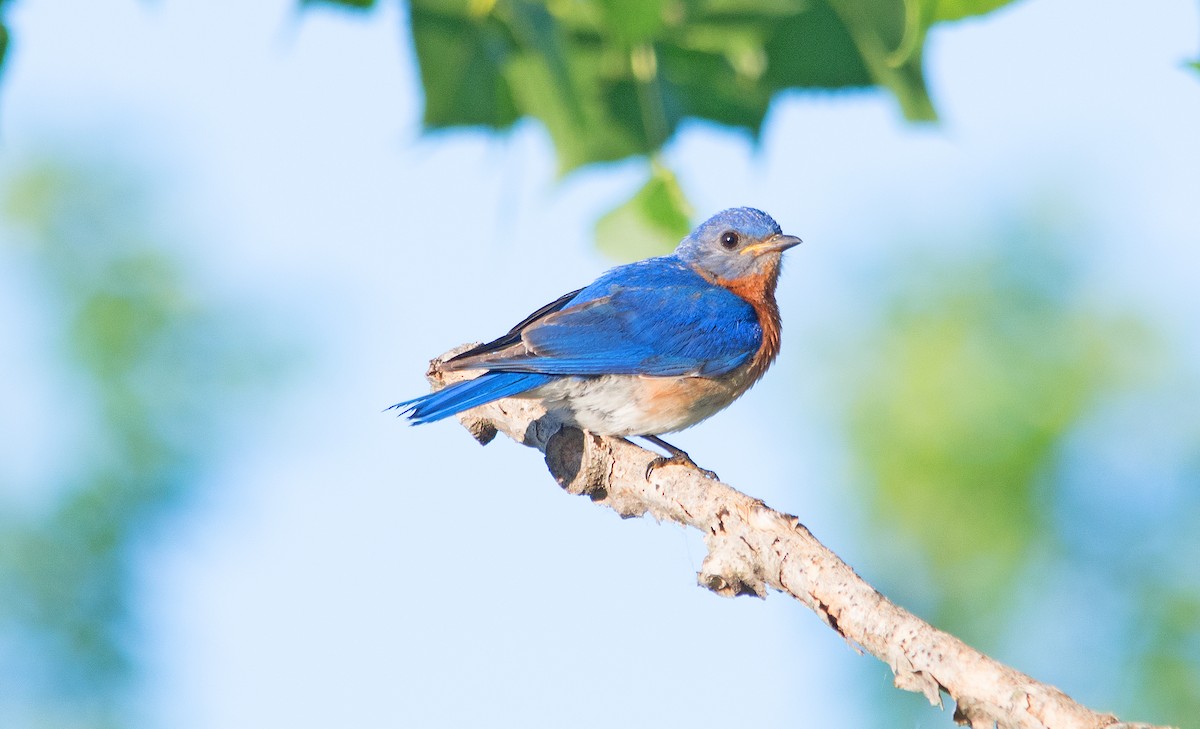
pixel 978 371
pixel 614 79
pixel 650 224
pixel 3 35
pixel 351 4
pixel 153 373
pixel 1167 681
pixel 981 366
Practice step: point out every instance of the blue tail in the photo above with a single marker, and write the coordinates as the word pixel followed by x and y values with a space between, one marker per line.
pixel 466 395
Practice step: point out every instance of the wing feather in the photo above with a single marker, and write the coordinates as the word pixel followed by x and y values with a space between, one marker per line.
pixel 655 317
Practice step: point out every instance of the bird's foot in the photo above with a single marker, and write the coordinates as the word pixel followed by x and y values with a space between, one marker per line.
pixel 678 459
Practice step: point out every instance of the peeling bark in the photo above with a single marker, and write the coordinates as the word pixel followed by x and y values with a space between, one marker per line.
pixel 753 548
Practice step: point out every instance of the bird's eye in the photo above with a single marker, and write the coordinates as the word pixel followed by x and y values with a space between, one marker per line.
pixel 729 239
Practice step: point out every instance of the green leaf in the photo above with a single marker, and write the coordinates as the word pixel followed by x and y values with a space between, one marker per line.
pixel 634 21
pixel 890 37
pixel 650 223
pixel 714 69
pixel 592 125
pixel 958 9
pixel 462 58
pixel 616 78
pixel 814 50
pixel 584 126
pixel 349 4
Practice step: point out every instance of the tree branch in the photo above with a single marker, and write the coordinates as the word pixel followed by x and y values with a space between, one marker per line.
pixel 752 547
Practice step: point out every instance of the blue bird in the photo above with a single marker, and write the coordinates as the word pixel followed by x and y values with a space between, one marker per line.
pixel 650 347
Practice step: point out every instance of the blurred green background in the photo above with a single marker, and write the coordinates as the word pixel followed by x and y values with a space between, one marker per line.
pixel 226 249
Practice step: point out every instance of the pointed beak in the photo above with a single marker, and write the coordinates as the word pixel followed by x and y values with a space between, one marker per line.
pixel 774 244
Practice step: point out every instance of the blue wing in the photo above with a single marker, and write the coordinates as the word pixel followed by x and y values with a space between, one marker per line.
pixel 655 317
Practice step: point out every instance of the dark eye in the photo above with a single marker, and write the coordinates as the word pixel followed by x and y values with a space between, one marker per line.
pixel 729 239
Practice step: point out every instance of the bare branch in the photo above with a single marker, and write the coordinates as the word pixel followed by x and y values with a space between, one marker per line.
pixel 752 547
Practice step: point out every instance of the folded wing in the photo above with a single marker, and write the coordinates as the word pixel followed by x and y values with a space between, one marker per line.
pixel 655 317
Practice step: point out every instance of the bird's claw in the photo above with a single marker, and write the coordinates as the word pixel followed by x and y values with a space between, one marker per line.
pixel 678 460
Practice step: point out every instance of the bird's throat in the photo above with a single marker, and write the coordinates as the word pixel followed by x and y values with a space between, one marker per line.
pixel 758 290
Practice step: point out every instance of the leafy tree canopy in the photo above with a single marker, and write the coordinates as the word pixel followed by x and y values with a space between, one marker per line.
pixel 614 79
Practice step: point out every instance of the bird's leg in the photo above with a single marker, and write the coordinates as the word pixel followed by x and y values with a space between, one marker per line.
pixel 678 457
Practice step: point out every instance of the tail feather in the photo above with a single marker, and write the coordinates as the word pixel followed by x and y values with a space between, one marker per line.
pixel 466 395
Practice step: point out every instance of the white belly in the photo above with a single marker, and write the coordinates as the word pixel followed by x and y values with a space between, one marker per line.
pixel 625 405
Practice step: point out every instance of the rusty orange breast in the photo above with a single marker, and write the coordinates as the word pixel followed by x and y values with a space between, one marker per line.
pixel 759 291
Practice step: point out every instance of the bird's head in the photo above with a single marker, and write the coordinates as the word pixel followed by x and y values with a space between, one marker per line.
pixel 736 243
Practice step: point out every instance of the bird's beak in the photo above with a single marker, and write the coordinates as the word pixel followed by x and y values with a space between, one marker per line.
pixel 774 244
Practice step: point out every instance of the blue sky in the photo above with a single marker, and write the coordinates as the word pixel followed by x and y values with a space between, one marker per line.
pixel 341 568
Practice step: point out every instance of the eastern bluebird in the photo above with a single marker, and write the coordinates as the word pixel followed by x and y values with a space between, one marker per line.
pixel 650 347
